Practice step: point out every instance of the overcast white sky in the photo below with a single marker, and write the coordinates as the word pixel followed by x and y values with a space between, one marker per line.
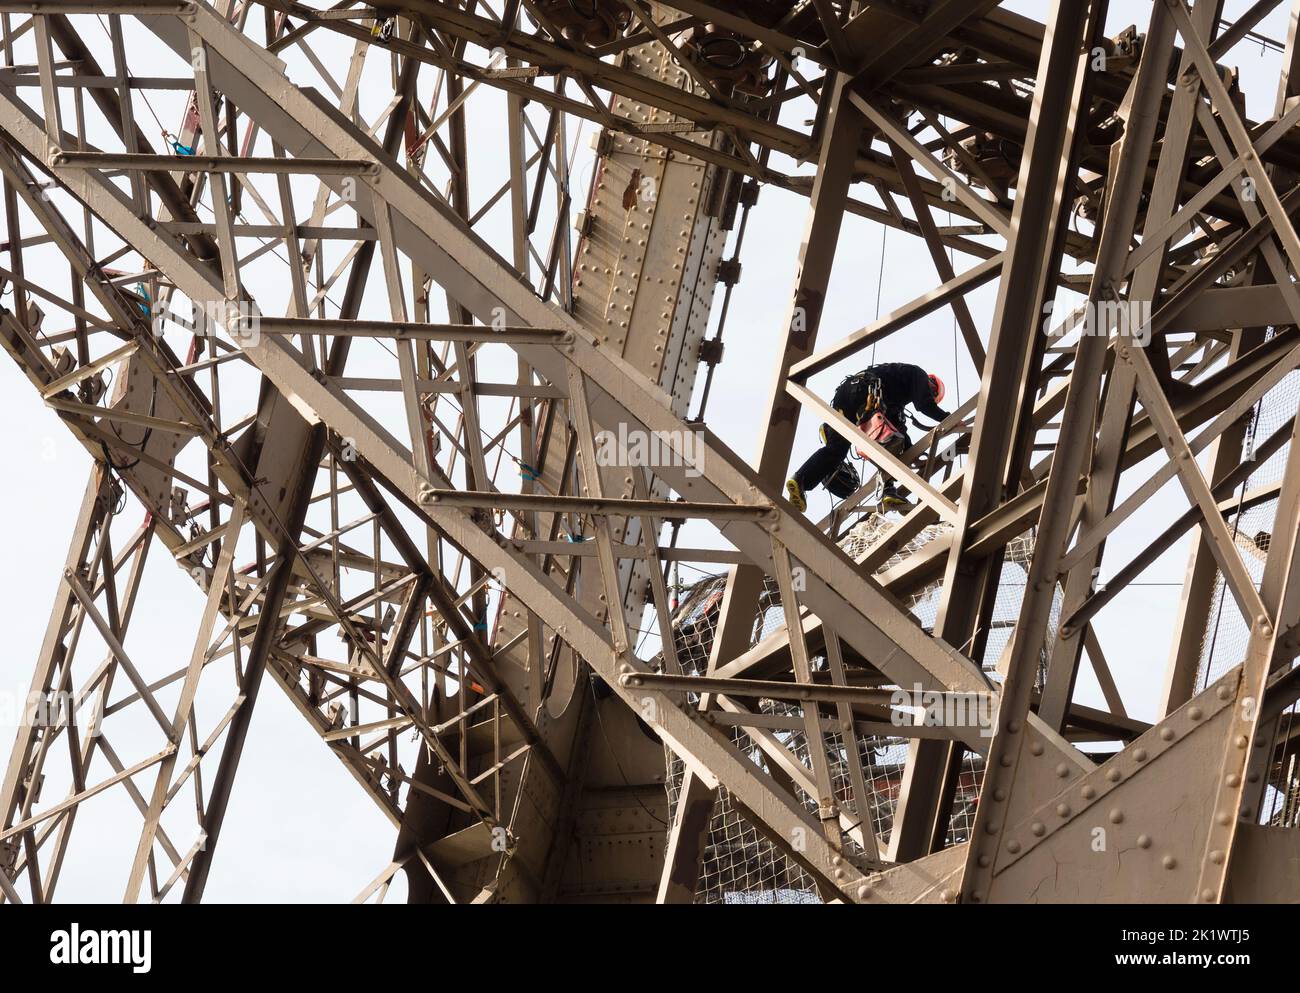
pixel 298 827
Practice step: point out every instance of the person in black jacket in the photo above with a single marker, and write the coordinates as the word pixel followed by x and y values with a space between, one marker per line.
pixel 889 388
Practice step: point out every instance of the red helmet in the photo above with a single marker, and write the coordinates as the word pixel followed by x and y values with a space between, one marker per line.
pixel 936 387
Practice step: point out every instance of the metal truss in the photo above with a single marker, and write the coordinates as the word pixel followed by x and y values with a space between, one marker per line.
pixel 381 401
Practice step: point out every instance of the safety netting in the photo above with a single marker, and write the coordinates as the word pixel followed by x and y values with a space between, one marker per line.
pixel 1226 635
pixel 740 864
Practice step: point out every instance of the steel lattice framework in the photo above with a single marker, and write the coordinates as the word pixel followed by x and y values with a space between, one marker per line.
pixel 370 419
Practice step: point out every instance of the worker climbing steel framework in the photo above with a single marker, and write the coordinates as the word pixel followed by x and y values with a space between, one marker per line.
pixel 876 399
pixel 355 552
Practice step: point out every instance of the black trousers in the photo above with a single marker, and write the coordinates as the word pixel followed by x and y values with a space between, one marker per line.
pixel 821 463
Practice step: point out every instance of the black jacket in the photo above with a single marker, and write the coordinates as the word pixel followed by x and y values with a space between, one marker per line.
pixel 901 383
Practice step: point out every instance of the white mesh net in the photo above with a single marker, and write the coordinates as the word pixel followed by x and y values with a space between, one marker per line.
pixel 740 865
pixel 1226 634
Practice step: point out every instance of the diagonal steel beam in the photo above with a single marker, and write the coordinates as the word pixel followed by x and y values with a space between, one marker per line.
pixel 1074 442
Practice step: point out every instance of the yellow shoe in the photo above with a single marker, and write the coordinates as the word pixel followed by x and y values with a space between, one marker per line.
pixel 892 501
pixel 795 493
